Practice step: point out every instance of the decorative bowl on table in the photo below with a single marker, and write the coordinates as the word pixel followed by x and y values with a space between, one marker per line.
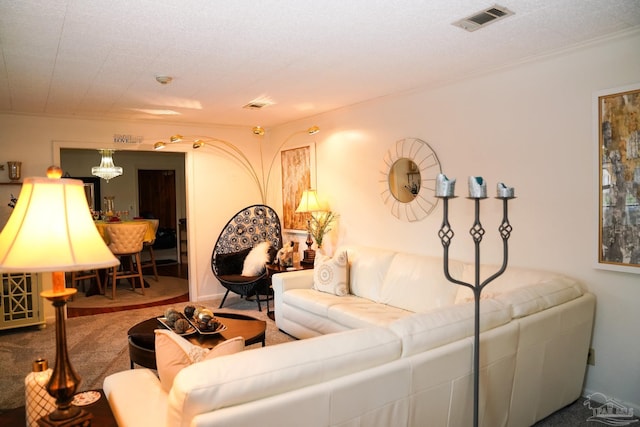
pixel 203 320
pixel 177 322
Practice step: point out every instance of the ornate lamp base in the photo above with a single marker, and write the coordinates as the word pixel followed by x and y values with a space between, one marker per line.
pixel 64 380
pixel 309 256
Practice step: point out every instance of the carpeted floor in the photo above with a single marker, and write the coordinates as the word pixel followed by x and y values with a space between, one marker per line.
pixel 165 288
pixel 97 345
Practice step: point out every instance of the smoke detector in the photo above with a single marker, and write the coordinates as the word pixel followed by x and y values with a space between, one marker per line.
pixel 163 80
pixel 483 18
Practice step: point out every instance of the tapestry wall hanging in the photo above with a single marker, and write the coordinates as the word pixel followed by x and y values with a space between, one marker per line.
pixel 618 113
pixel 296 177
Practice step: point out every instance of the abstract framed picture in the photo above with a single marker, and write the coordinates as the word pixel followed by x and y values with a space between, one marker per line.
pixel 618 138
pixel 298 165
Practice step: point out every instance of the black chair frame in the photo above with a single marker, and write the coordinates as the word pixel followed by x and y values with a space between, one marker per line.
pixel 250 226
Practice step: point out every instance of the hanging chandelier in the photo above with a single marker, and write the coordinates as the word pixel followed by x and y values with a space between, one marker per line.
pixel 107 168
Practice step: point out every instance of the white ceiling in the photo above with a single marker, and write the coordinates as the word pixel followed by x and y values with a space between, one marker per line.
pixel 99 58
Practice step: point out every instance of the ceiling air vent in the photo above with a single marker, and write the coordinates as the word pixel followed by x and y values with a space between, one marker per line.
pixel 259 103
pixel 483 18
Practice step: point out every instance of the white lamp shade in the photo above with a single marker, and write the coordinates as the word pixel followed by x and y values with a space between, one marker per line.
pixel 309 202
pixel 51 229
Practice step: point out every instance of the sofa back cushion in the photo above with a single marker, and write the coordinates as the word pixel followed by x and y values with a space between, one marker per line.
pixel 266 371
pixel 512 278
pixel 367 270
pixel 417 283
pixel 423 331
pixel 531 299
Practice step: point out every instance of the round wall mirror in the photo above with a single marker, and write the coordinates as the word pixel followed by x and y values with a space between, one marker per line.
pixel 408 179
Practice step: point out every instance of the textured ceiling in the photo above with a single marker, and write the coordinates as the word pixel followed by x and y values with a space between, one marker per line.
pixel 97 58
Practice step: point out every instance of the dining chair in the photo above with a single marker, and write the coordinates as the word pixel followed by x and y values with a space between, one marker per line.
pixel 148 246
pixel 125 242
pixel 80 276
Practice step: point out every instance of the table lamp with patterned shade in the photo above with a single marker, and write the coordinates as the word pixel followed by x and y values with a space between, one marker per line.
pixel 51 230
pixel 309 203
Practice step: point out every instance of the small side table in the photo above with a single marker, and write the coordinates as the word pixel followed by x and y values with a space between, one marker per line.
pixel 101 411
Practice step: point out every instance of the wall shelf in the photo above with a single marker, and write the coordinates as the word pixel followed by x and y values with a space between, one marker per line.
pixel 11 183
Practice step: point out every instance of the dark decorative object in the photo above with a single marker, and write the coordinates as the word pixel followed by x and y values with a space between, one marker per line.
pixel 476 193
pixel 13 201
pixel 247 228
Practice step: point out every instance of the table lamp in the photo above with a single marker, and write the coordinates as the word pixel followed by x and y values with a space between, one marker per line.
pixel 309 203
pixel 51 230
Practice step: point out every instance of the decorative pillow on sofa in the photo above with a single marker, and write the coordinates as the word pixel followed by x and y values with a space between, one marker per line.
pixel 256 261
pixel 231 263
pixel 174 353
pixel 331 275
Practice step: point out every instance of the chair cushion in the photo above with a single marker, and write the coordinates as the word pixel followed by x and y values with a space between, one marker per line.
pixel 232 263
pixel 173 353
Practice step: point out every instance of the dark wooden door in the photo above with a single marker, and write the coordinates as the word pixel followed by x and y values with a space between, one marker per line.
pixel 157 196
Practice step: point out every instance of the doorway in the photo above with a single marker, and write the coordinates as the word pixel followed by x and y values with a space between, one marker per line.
pixel 157 199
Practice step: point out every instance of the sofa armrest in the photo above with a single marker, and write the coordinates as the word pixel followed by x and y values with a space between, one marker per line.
pixel 136 398
pixel 301 279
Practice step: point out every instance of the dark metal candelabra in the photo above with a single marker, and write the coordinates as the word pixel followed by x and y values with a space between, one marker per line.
pixel 477 231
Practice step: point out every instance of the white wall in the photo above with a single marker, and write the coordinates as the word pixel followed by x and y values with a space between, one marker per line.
pixel 529 126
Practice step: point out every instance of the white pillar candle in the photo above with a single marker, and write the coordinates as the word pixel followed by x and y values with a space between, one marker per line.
pixel 445 187
pixel 504 192
pixel 477 187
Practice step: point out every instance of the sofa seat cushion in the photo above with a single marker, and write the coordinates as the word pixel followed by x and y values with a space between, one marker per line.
pixel 316 302
pixel 423 331
pixel 232 380
pixel 365 313
pixel 417 283
pixel 541 296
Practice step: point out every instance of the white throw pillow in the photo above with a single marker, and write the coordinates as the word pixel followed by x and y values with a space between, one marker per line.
pixel 331 275
pixel 255 262
pixel 173 353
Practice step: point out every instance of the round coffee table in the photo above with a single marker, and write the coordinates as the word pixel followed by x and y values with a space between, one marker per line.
pixel 142 336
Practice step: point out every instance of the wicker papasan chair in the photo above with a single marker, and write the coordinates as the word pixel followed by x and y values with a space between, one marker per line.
pixel 246 229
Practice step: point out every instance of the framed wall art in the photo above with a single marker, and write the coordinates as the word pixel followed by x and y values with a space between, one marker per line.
pixel 618 134
pixel 297 171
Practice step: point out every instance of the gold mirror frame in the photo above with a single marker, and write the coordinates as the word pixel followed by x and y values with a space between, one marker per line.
pixel 428 166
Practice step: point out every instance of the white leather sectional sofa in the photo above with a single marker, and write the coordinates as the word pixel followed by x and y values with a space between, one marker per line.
pixel 536 330
pixel 396 351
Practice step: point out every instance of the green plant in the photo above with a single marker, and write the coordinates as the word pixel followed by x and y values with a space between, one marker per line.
pixel 320 224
